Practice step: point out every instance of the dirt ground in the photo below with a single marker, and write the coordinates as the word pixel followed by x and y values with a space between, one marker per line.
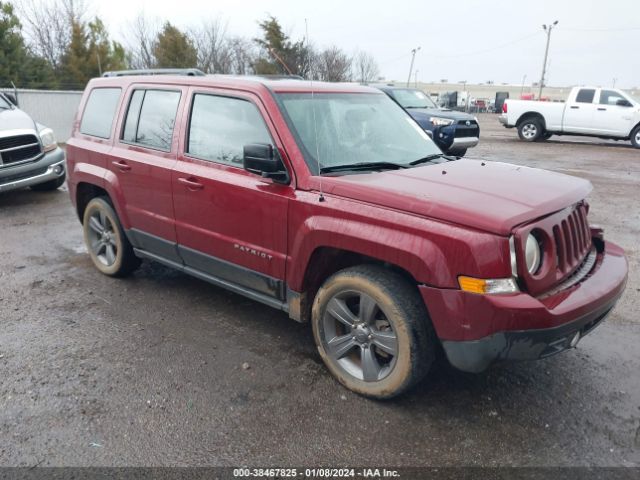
pixel 149 370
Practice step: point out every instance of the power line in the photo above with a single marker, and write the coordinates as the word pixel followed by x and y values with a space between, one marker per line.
pixel 491 49
pixel 614 29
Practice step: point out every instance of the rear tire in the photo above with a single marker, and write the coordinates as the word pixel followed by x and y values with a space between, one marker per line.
pixel 372 331
pixel 530 129
pixel 635 137
pixel 50 185
pixel 106 241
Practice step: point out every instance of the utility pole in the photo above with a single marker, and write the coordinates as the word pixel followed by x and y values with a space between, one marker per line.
pixel 522 88
pixel 546 54
pixel 413 57
pixel 614 83
pixel 416 78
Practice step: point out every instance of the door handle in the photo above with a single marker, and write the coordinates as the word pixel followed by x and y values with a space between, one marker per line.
pixel 575 107
pixel 120 165
pixel 602 109
pixel 191 183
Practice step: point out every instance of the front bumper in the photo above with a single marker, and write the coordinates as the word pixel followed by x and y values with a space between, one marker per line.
pixel 478 330
pixel 463 142
pixel 49 167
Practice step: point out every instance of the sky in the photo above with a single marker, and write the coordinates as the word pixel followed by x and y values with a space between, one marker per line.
pixel 594 42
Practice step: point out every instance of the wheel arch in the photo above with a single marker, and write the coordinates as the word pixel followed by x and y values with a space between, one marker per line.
pixel 530 115
pixel 85 192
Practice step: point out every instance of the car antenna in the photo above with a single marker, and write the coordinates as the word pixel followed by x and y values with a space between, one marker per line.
pixel 313 109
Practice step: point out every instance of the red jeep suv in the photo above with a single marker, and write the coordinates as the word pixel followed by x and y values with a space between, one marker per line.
pixel 329 202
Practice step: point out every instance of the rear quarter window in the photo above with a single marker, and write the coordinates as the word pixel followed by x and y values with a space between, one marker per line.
pixel 99 112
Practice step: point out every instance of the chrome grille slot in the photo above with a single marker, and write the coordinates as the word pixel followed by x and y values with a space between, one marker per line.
pixel 18 149
pixel 573 239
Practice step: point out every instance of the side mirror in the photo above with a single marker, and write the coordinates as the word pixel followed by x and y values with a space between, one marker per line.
pixel 623 103
pixel 11 97
pixel 259 158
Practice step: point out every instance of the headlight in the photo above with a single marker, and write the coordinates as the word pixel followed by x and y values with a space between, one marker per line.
pixel 48 139
pixel 532 254
pixel 440 122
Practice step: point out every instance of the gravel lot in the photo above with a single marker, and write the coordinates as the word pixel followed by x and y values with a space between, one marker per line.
pixel 149 370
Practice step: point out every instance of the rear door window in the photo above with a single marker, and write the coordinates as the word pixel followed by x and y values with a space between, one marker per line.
pixel 99 112
pixel 585 95
pixel 151 118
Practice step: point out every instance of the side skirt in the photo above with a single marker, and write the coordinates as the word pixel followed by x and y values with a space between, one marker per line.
pixel 220 282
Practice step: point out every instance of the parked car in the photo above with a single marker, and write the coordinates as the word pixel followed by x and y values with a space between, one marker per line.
pixel 590 111
pixel 329 202
pixel 453 132
pixel 29 153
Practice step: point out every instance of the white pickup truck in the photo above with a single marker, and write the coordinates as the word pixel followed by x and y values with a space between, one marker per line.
pixel 591 111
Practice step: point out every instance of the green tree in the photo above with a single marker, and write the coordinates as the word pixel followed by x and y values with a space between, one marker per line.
pixel 89 54
pixel 279 54
pixel 17 63
pixel 174 49
pixel 103 54
pixel 74 70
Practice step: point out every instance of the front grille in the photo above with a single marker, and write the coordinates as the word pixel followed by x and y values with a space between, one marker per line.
pixel 18 148
pixel 462 132
pixel 572 238
pixel 566 240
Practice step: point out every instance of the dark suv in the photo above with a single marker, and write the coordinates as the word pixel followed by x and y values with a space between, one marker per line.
pixel 329 202
pixel 29 154
pixel 454 132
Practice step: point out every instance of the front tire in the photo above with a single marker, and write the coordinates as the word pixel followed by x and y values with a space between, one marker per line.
pixel 104 237
pixel 372 331
pixel 635 137
pixel 530 130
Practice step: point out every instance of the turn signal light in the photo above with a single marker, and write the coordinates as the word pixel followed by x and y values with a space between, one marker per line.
pixel 487 286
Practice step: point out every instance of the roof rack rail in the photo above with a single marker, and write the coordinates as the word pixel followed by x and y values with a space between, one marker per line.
pixel 277 76
pixel 192 72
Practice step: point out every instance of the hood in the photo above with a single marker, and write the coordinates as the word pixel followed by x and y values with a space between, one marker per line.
pixel 424 114
pixel 15 119
pixel 490 196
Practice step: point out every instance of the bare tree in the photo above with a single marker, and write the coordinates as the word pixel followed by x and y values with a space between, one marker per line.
pixel 48 26
pixel 333 65
pixel 365 67
pixel 140 37
pixel 213 49
pixel 242 56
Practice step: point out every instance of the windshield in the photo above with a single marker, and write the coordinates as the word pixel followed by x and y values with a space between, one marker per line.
pixel 410 98
pixel 4 103
pixel 353 128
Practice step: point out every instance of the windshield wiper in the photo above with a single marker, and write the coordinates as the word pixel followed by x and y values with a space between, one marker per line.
pixel 429 158
pixel 363 166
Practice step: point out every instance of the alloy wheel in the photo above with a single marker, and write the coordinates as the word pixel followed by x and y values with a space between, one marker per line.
pixel 529 131
pixel 103 240
pixel 358 336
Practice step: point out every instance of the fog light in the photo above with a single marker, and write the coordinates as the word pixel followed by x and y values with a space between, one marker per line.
pixel 57 169
pixel 575 340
